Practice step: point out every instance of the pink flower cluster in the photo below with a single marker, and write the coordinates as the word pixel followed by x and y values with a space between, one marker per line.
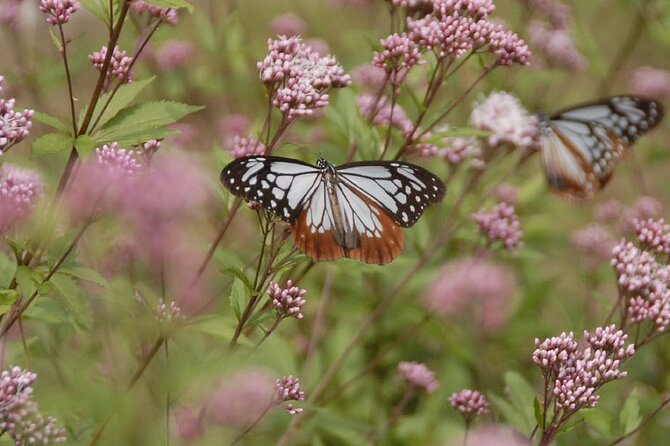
pixel 509 123
pixel 469 403
pixel 287 25
pixel 14 125
pixel 174 54
pixel 501 223
pixel 167 15
pixel 288 302
pixel 19 415
pixel 112 158
pixel 596 242
pixel 298 78
pixel 9 12
pixel 287 388
pixel 246 146
pixel 418 376
pixel 573 374
pixel 651 83
pixel 167 314
pixel 472 285
pixel 556 12
pixel 369 76
pixel 553 38
pixel 653 235
pixel 19 190
pixel 378 111
pixel 399 54
pixel 119 65
pixel 59 10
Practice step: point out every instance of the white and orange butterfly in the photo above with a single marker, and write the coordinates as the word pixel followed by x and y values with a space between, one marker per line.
pixel 355 210
pixel 581 145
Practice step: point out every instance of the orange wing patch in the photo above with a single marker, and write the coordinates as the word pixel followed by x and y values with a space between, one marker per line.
pixel 371 249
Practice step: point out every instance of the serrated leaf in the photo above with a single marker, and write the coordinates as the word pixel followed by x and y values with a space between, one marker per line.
pixel 73 297
pixel 51 121
pixel 630 418
pixel 51 143
pixel 85 145
pixel 177 4
pixel 120 100
pixel 94 7
pixel 143 117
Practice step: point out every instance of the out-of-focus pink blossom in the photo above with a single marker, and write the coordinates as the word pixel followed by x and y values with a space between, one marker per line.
pixel 651 82
pixel 644 208
pixel 167 15
pixel 608 212
pixel 318 45
pixel 239 399
pixel 250 146
pixel 505 193
pixel 557 45
pixel 472 285
pixel 19 190
pixel 287 25
pixel 186 136
pixel 59 10
pixel 174 54
pixel 369 76
pixel 233 125
pixel 596 242
pixel 9 12
pixel 501 223
pixel 418 375
pixel 189 424
pixel 503 115
pixel 119 65
pixel 556 12
pixel 378 111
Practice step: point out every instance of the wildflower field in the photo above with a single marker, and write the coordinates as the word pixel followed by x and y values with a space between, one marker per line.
pixel 493 269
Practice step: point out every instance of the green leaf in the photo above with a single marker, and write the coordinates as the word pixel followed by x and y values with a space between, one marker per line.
pixel 56 41
pixel 538 411
pixel 8 297
pixel 51 121
pixel 172 4
pixel 238 298
pixel 522 397
pixel 513 417
pixel 86 274
pixel 27 281
pixel 143 117
pixel 600 421
pixel 95 8
pixel 464 132
pixel 240 275
pixel 120 100
pixel 51 143
pixel 140 137
pixel 73 297
pixel 7 270
pixel 85 145
pixel 630 418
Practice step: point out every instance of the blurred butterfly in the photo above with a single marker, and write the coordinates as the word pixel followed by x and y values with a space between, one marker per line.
pixel 355 210
pixel 581 145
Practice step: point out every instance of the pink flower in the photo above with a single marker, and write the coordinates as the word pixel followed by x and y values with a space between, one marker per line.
pixel 239 399
pixel 608 211
pixel 287 25
pixel 174 54
pixel 556 12
pixel 472 285
pixel 59 10
pixel 418 375
pixel 653 304
pixel 651 83
pixel 318 45
pixel 369 76
pixel 189 424
pixel 635 268
pixel 19 190
pixel 596 242
pixel 168 314
pixel 557 46
pixel 14 125
pixel 457 150
pixel 469 403
pixel 378 111
pixel 233 125
pixel 167 15
pixel 287 388
pixel 449 36
pixel 653 235
pixel 399 54
pixel 119 65
pixel 288 302
pixel 501 223
pixel 505 193
pixel 503 115
pixel 9 12
pixel 506 46
pixel 186 136
pixel 246 147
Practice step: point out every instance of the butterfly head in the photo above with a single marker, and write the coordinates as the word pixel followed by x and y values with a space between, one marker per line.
pixel 322 164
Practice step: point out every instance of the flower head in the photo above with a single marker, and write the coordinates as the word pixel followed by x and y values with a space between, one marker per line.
pixel 19 190
pixel 503 115
pixel 596 242
pixel 653 235
pixel 9 12
pixel 369 76
pixel 469 403
pixel 167 15
pixel 379 112
pixel 239 399
pixel 174 54
pixel 634 267
pixel 288 302
pixel 651 83
pixel 59 10
pixel 501 223
pixel 115 159
pixel 119 65
pixel 287 25
pixel 556 12
pixel 287 388
pixel 399 53
pixel 418 375
pixel 243 146
pixel 167 314
pixel 14 125
pixel 557 45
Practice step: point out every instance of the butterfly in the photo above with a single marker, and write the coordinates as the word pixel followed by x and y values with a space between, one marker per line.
pixel 581 145
pixel 354 210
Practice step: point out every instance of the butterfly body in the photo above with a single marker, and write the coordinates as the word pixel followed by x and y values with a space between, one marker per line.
pixel 355 210
pixel 581 145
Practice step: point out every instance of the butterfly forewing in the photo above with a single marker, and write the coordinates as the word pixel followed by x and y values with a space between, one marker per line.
pixel 402 190
pixel 280 185
pixel 581 145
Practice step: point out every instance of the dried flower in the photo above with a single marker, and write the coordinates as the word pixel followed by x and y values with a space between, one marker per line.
pixel 59 10
pixel 19 415
pixel 469 403
pixel 503 115
pixel 246 147
pixel 167 15
pixel 651 83
pixel 472 283
pixel 119 65
pixel 14 125
pixel 287 388
pixel 557 45
pixel 174 54
pixel 298 78
pixel 418 375
pixel 573 374
pixel 287 25
pixel 653 235
pixel 501 223
pixel 19 190
pixel 287 301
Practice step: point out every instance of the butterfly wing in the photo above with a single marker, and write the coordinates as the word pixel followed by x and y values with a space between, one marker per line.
pixel 582 145
pixel 402 190
pixel 280 185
